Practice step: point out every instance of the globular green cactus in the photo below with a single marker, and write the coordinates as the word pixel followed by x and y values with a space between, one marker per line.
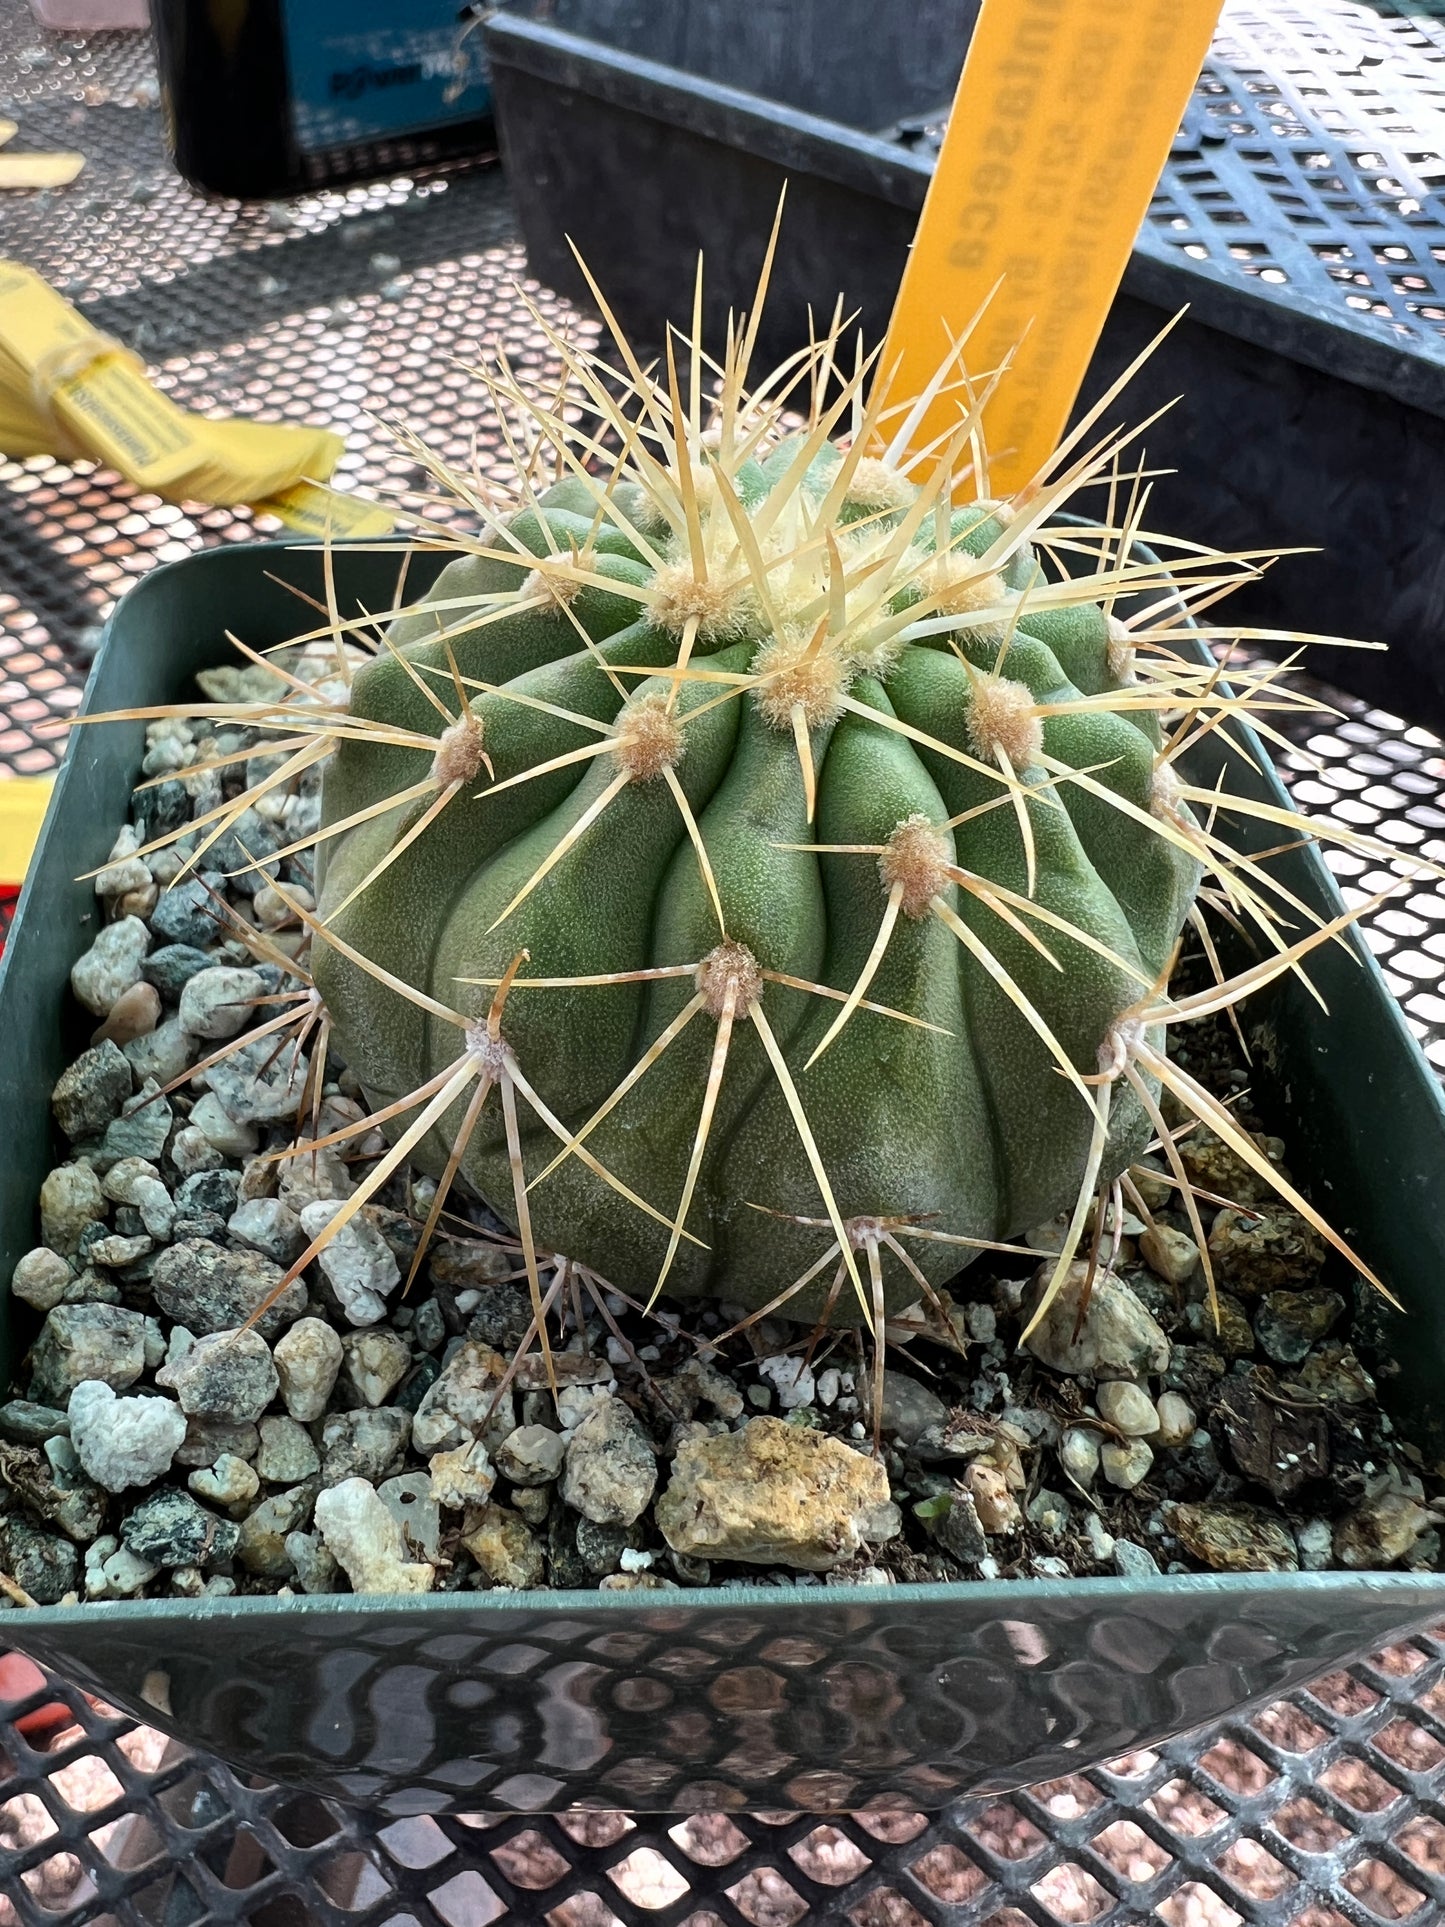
pixel 835 824
pixel 757 863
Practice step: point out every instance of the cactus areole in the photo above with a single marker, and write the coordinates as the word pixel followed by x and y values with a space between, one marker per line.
pixel 798 847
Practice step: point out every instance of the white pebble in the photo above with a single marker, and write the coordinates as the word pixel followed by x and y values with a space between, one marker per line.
pixel 111 965
pixel 1176 1419
pixel 366 1541
pixel 307 1359
pixel 358 1264
pixel 1126 1465
pixel 1128 1409
pixel 122 1442
pixel 791 1378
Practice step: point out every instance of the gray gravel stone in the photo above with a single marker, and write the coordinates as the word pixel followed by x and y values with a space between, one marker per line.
pixel 191 1151
pixel 220 1001
pixel 225 1375
pixel 220 1130
pixel 375 1364
pixel 187 914
pixel 88 1094
pixel 143 1128
pixel 261 1546
pixel 172 967
pixel 463 1403
pixel 1118 1337
pixel 358 1263
pixel 316 1571
pixel 268 1226
pixel 70 1199
pixel 163 1054
pixel 41 1278
pixel 258 1084
pixel 112 964
pixel 308 1358
pixel 909 1408
pixel 1133 1561
pixel 209 1289
pixel 610 1471
pixel 230 1482
pixel 208 1440
pixel 363 1444
pixel 532 1455
pixel 27 1423
pixel 78 1342
pixel 287 1455
pixel 170 1530
pixel 45 1566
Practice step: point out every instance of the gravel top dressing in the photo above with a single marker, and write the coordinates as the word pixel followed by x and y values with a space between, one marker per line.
pixel 360 1435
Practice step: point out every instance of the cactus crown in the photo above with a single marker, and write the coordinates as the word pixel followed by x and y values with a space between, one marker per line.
pixel 758 863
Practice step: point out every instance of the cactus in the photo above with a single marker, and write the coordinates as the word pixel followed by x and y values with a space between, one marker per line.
pixel 756 864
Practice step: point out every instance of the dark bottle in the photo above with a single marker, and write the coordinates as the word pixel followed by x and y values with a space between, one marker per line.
pixel 271 97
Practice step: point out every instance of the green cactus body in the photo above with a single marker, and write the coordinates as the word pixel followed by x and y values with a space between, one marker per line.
pixel 963 692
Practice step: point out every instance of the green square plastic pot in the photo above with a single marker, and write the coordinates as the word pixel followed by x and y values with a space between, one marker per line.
pixel 819 1697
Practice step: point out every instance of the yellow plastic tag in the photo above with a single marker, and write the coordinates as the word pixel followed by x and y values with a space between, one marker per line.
pixel 1060 129
pixel 66 389
pixel 40 170
pixel 23 802
pixel 326 512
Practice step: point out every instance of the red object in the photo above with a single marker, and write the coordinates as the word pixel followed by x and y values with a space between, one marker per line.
pixel 9 897
pixel 20 1679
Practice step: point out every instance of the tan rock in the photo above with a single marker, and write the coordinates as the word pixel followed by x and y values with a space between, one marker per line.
pixel 775 1495
pixel 1169 1254
pixel 1118 1336
pixel 505 1547
pixel 995 1505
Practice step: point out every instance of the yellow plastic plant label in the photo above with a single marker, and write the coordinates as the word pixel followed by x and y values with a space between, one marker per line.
pixel 66 389
pixel 1060 129
pixel 23 802
pixel 57 169
pixel 326 512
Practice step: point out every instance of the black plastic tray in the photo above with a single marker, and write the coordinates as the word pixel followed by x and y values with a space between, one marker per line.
pixel 1299 423
pixel 760 1697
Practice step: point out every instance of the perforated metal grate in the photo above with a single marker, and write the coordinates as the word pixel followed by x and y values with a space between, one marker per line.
pixel 1312 157
pixel 1322 1809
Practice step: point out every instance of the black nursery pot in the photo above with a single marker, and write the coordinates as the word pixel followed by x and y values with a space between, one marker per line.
pixel 819 1698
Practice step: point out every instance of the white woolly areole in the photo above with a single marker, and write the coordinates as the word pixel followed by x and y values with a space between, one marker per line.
pixel 490 1054
pixel 916 857
pixel 724 606
pixel 1001 717
pixel 729 966
pixel 1165 796
pixel 459 753
pixel 801 677
pixel 550 582
pixel 649 738
pixel 876 484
